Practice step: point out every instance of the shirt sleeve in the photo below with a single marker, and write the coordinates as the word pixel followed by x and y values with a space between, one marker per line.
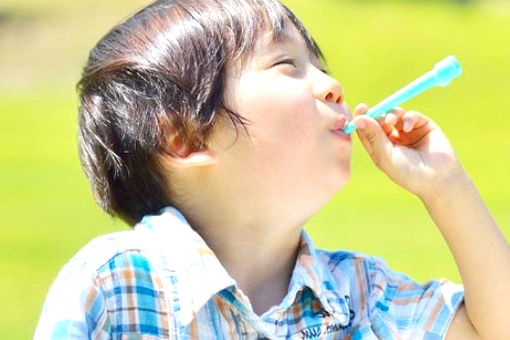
pixel 401 308
pixel 74 307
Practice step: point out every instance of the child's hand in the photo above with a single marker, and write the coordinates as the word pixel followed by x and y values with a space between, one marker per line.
pixel 410 148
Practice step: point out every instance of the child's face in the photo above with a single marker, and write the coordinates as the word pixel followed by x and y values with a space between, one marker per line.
pixel 291 158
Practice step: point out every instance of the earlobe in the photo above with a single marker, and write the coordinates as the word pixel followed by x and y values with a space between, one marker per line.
pixel 193 159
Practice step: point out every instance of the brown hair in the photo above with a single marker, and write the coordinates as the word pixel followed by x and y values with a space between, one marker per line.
pixel 164 66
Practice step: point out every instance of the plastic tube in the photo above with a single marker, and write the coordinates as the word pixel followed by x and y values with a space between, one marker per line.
pixel 441 75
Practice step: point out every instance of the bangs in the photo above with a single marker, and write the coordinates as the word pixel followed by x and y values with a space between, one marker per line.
pixel 243 22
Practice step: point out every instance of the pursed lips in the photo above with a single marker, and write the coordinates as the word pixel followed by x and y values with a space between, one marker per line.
pixel 342 117
pixel 340 123
pixel 339 126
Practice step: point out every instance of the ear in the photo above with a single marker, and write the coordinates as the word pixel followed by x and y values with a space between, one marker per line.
pixel 192 159
pixel 180 154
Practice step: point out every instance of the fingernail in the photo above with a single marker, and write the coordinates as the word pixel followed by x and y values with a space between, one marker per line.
pixel 406 126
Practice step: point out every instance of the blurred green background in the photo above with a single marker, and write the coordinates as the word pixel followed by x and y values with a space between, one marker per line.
pixel 373 48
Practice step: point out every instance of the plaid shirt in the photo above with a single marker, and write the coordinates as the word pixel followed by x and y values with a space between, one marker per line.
pixel 161 281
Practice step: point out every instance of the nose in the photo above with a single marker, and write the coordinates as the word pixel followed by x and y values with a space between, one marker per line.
pixel 327 88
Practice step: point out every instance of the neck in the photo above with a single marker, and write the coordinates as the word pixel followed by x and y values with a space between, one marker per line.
pixel 260 257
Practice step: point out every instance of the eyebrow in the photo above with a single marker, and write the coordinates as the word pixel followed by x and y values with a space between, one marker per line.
pixel 283 38
pixel 286 37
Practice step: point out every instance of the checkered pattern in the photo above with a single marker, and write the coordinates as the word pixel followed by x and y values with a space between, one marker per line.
pixel 161 281
pixel 134 295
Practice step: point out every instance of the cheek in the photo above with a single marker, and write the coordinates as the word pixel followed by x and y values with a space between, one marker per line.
pixel 285 125
pixel 282 113
pixel 287 132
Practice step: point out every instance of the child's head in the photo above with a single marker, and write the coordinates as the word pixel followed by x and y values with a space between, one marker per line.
pixel 156 87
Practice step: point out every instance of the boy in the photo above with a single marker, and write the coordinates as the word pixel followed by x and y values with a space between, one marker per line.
pixel 213 127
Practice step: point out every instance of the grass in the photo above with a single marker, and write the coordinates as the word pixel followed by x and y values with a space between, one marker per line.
pixel 373 48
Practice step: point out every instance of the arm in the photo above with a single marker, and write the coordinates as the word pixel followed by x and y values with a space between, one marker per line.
pixel 482 255
pixel 415 154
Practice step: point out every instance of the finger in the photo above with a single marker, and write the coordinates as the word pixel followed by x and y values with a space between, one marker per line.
pixel 391 121
pixel 394 115
pixel 387 123
pixel 413 120
pixel 360 109
pixel 374 140
pixel 414 128
pixel 398 111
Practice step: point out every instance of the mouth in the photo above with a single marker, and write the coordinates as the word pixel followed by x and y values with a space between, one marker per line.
pixel 339 126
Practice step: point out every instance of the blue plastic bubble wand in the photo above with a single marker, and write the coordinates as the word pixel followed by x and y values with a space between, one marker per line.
pixel 441 75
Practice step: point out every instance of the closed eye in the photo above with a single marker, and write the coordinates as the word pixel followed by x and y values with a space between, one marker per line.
pixel 286 62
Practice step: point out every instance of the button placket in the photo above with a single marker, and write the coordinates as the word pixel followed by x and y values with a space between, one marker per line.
pixel 251 323
pixel 281 327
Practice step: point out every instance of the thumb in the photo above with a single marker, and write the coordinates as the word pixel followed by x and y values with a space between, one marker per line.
pixel 374 140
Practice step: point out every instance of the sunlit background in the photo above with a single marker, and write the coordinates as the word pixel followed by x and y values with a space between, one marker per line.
pixel 372 47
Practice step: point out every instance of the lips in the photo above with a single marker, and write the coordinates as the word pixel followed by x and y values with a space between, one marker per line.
pixel 339 126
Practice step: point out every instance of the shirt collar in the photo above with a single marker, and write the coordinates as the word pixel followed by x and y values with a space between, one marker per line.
pixel 196 273
pixel 201 275
pixel 313 273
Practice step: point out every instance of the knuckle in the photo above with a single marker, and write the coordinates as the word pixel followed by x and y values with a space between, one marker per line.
pixel 399 110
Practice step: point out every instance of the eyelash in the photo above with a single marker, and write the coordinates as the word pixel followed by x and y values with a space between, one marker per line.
pixel 293 63
pixel 286 61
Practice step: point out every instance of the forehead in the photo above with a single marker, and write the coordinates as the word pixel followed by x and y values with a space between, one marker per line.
pixel 289 35
pixel 289 39
pixel 293 32
pixel 273 31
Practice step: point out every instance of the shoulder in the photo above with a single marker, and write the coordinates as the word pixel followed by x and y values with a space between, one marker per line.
pixel 392 302
pixel 379 277
pixel 80 272
pixel 114 277
pixel 103 248
pixel 116 263
pixel 355 265
pixel 359 266
pixel 352 274
pixel 105 259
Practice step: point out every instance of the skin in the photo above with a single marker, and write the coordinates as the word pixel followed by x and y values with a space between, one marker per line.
pixel 412 150
pixel 249 196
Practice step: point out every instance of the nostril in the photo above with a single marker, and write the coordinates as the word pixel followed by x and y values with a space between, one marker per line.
pixel 328 97
pixel 339 100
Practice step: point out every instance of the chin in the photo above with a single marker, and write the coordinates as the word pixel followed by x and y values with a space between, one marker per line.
pixel 317 197
pixel 336 183
pixel 342 176
pixel 341 182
